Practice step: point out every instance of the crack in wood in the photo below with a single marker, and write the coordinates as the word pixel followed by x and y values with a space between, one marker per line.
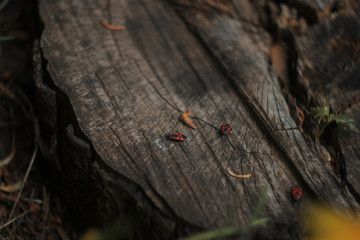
pixel 216 65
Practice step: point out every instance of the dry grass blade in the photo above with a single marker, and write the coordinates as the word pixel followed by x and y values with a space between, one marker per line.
pixel 62 233
pixel 301 116
pixel 185 117
pixel 237 175
pixel 45 206
pixel 8 159
pixel 6 91
pixel 14 219
pixel 11 188
pixel 24 181
pixel 111 27
pixel 218 5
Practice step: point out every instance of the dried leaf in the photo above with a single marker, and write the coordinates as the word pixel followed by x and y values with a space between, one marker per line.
pixel 11 188
pixel 8 159
pixel 300 115
pixel 33 207
pixel 57 219
pixel 185 117
pixel 111 27
pixel 237 175
pixel 6 75
pixel 328 156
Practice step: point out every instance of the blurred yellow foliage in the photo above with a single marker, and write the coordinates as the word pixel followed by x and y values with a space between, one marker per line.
pixel 327 225
pixel 91 234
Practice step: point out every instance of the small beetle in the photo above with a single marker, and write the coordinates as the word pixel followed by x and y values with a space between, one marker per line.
pixel 225 128
pixel 178 136
pixel 296 192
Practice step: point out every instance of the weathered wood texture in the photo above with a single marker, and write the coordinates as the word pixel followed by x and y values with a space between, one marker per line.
pixel 355 6
pixel 329 67
pixel 350 148
pixel 253 79
pixel 128 88
pixel 329 60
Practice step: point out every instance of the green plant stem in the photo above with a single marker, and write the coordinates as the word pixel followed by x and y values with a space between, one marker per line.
pixel 325 125
pixel 6 38
pixel 259 207
pixel 322 130
pixel 252 224
pixel 218 233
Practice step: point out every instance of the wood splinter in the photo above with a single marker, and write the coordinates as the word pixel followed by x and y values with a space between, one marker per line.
pixel 237 175
pixel 111 27
pixel 185 117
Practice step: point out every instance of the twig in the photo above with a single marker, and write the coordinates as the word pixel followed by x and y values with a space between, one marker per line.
pixel 14 219
pixel 7 92
pixel 111 26
pixel 24 181
pixel 45 206
pixel 7 159
pixel 237 175
pixel 11 188
pixel 62 233
pixel 11 236
pixel 25 102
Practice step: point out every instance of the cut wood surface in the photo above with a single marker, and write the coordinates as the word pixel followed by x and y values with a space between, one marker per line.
pixel 128 89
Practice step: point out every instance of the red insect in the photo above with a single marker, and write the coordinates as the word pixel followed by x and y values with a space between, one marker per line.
pixel 225 128
pixel 297 192
pixel 178 136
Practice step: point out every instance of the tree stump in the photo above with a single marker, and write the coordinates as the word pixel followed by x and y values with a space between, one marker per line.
pixel 108 101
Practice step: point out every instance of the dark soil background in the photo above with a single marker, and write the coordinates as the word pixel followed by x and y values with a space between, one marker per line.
pixel 29 206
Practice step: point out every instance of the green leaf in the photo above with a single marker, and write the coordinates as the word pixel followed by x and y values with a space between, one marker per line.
pixel 331 117
pixel 345 120
pixel 258 222
pixel 321 113
pixel 353 127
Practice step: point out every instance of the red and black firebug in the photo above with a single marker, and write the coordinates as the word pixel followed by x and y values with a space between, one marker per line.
pixel 297 192
pixel 178 136
pixel 225 128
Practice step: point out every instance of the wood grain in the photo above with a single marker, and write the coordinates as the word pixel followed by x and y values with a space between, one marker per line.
pixel 128 89
pixel 349 141
pixel 243 52
pixel 328 60
pixel 328 65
